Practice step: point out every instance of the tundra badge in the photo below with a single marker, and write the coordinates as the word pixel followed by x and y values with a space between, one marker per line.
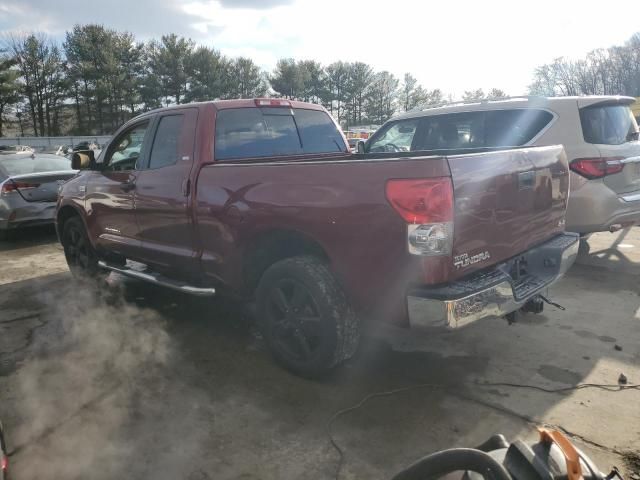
pixel 464 260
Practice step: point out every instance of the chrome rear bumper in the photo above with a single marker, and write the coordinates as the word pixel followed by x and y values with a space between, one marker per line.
pixel 496 292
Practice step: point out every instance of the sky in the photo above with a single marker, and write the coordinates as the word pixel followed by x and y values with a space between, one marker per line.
pixel 452 45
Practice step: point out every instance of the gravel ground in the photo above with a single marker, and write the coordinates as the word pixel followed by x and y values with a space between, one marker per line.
pixel 139 382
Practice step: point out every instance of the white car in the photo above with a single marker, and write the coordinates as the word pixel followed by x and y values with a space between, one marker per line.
pixel 599 134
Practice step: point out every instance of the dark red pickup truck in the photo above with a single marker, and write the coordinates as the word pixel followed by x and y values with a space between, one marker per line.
pixel 262 199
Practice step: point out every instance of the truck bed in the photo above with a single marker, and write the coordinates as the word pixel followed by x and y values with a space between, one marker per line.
pixel 506 201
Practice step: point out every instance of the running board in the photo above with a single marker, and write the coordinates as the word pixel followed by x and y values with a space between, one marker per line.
pixel 159 280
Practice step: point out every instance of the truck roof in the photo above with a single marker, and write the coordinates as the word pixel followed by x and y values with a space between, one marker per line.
pixel 240 103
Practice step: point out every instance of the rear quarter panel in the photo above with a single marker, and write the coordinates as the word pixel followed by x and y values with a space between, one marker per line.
pixel 341 205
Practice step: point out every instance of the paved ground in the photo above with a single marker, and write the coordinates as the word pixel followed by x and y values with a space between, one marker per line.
pixel 141 383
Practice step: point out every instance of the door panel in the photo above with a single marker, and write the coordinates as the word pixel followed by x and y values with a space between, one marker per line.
pixel 162 198
pixel 109 197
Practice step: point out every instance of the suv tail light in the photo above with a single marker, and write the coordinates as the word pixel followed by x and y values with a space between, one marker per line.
pixel 13 186
pixel 4 462
pixel 597 167
pixel 426 204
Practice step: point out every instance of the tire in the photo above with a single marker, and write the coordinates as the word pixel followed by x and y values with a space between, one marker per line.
pixel 78 251
pixel 305 317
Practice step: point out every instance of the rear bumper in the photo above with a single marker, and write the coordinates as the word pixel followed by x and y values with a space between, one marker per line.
pixel 31 214
pixel 594 207
pixel 496 292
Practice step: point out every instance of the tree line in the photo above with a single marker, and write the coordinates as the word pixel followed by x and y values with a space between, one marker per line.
pixel 604 71
pixel 98 78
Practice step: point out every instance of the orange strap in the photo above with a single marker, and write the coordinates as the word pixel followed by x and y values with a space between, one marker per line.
pixel 574 471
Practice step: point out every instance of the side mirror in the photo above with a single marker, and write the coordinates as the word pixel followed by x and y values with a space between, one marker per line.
pixel 360 147
pixel 82 160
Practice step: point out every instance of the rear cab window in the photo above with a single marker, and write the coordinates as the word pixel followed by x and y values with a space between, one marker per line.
pixel 274 131
pixel 612 124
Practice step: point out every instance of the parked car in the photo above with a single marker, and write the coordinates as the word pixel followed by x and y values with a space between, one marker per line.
pixel 16 149
pixel 237 197
pixel 29 189
pixel 599 134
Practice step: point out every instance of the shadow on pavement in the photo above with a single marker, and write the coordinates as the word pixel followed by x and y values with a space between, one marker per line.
pixel 618 251
pixel 29 237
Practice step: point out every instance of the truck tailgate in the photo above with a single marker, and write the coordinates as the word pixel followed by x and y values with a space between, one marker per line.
pixel 505 203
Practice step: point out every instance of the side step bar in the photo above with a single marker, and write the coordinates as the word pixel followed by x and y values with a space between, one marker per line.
pixel 159 280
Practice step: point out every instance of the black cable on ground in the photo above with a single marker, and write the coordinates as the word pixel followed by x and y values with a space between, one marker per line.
pixel 388 393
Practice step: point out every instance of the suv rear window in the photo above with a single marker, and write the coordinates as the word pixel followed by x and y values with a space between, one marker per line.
pixel 23 164
pixel 608 124
pixel 268 132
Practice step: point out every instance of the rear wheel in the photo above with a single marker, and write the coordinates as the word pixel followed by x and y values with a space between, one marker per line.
pixel 78 251
pixel 305 317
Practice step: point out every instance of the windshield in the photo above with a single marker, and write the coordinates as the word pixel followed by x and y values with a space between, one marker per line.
pixel 23 164
pixel 608 124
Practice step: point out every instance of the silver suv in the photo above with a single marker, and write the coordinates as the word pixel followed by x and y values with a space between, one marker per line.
pixel 599 134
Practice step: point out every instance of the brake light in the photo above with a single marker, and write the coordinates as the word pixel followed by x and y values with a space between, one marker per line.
pixel 12 186
pixel 272 102
pixel 424 200
pixel 597 167
pixel 427 207
pixel 4 463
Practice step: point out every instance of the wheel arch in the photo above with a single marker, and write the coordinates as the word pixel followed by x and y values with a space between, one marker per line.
pixel 63 214
pixel 66 212
pixel 272 246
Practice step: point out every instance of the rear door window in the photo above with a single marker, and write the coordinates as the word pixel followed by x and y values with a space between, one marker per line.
pixel 608 124
pixel 265 132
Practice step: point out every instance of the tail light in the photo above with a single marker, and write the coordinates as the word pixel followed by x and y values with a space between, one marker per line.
pixel 427 207
pixel 272 102
pixel 4 462
pixel 597 167
pixel 13 186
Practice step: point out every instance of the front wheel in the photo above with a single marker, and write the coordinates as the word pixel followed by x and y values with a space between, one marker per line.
pixel 78 251
pixel 305 317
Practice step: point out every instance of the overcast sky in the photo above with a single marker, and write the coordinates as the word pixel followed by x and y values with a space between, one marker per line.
pixel 454 45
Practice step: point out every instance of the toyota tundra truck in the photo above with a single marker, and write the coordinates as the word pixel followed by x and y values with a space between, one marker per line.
pixel 261 199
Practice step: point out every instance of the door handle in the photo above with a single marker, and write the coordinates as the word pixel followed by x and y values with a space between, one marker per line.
pixel 127 186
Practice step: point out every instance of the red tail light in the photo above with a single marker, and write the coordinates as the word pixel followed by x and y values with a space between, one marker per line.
pixel 12 186
pixel 272 102
pixel 424 200
pixel 4 462
pixel 597 167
